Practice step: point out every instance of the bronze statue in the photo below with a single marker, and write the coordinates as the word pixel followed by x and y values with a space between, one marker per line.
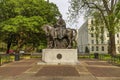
pixel 69 36
pixel 58 36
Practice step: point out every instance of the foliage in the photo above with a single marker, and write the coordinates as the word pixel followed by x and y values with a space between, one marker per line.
pixel 105 12
pixel 21 21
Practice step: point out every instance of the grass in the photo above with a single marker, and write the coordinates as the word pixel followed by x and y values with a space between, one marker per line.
pixel 9 58
pixel 105 57
pixel 5 59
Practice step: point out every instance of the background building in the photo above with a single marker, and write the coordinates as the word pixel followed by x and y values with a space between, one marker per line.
pixel 87 39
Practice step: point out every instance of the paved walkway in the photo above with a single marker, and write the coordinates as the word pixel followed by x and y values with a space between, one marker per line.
pixel 85 70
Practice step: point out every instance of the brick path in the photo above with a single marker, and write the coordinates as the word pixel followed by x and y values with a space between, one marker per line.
pixel 85 70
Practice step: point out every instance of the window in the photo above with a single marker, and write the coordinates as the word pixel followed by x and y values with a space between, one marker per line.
pixel 92 28
pixel 92 35
pixel 92 41
pixel 91 21
pixel 102 48
pixel 96 48
pixel 102 41
pixel 117 35
pixel 118 41
pixel 92 48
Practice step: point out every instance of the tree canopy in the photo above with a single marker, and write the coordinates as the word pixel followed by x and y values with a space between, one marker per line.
pixel 105 12
pixel 21 20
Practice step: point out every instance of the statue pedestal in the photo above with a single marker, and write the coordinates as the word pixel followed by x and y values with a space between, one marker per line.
pixel 59 56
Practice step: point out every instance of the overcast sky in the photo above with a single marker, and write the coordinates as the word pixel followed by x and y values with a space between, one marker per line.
pixel 63 8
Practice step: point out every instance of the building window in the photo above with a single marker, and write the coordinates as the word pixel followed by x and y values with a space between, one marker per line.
pixel 117 35
pixel 102 41
pixel 92 35
pixel 96 48
pixel 92 28
pixel 92 41
pixel 91 21
pixel 92 48
pixel 102 48
pixel 118 41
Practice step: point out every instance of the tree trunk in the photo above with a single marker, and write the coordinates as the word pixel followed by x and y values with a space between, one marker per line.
pixel 9 42
pixel 8 47
pixel 112 46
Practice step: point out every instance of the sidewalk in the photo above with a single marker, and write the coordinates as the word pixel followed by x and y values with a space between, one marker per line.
pixel 86 70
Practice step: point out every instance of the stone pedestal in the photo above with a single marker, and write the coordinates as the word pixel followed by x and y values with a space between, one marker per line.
pixel 60 56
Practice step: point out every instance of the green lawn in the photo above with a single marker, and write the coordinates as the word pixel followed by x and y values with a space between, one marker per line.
pixel 105 57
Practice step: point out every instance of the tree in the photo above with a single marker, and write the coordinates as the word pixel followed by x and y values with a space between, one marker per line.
pixel 108 10
pixel 21 21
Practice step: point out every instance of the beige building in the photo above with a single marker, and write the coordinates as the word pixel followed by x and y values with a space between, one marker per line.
pixel 87 38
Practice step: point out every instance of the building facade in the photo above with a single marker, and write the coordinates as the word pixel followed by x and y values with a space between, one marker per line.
pixel 87 39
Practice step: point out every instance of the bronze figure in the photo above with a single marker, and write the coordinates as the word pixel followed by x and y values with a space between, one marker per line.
pixel 69 36
pixel 58 36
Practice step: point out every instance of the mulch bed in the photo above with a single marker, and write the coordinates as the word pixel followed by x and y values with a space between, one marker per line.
pixel 104 72
pixel 57 71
